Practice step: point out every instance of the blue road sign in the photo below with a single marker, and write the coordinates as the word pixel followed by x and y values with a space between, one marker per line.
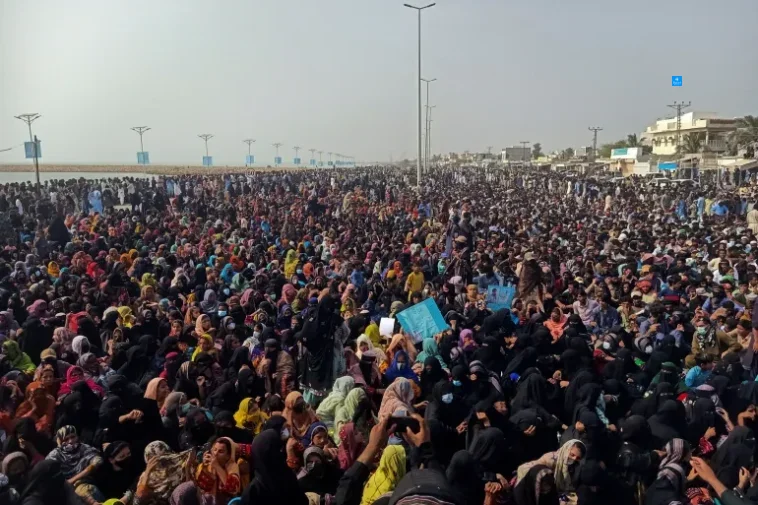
pixel 277 160
pixel 250 159
pixel 296 161
pixel 143 158
pixel 29 149
pixel 668 165
pixel 676 80
pixel 207 161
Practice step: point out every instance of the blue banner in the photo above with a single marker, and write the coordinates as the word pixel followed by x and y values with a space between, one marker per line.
pixel 668 165
pixel 207 161
pixel 249 159
pixel 498 296
pixel 296 161
pixel 423 320
pixel 143 158
pixel 277 160
pixel 29 149
pixel 313 162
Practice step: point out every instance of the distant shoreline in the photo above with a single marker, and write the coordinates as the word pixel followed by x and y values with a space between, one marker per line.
pixel 140 169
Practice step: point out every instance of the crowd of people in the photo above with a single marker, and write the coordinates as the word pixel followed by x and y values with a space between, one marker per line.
pixel 212 340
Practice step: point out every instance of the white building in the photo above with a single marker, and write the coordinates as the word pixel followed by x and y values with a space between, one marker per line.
pixel 661 135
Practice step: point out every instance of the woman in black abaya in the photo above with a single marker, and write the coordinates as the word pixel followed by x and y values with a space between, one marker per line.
pixel 273 482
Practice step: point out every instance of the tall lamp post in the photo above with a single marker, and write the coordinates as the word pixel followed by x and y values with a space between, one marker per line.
pixel 249 143
pixel 141 131
pixel 29 119
pixel 418 160
pixel 277 145
pixel 428 126
pixel 206 137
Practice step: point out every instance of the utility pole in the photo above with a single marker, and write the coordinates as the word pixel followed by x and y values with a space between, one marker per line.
pixel 206 137
pixel 297 150
pixel 418 160
pixel 429 134
pixel 249 143
pixel 277 145
pixel 523 143
pixel 321 158
pixel 426 144
pixel 594 130
pixel 330 158
pixel 141 131
pixel 678 106
pixel 29 119
pixel 313 156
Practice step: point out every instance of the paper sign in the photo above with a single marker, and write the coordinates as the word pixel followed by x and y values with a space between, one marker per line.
pixel 386 327
pixel 423 320
pixel 498 296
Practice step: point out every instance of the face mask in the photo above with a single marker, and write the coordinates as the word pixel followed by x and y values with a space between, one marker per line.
pixel 701 330
pixel 231 326
pixel 256 334
pixel 400 366
pixel 70 447
pixel 221 313
pixel 285 434
pixel 299 271
pixel 447 398
pixel 457 383
pixel 606 345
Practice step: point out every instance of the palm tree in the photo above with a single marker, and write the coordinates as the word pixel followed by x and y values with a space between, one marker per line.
pixel 692 142
pixel 633 141
pixel 746 134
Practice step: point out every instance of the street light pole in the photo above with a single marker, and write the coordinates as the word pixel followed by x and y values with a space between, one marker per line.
pixel 206 137
pixel 418 161
pixel 426 146
pixel 141 131
pixel 313 155
pixel 29 119
pixel 249 143
pixel 523 143
pixel 321 158
pixel 429 133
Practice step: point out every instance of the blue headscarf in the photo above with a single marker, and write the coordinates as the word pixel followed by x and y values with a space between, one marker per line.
pixel 393 372
pixel 227 274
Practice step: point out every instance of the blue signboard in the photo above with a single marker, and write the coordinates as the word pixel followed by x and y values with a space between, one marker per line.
pixel 277 160
pixel 249 159
pixel 296 161
pixel 331 164
pixel 423 320
pixel 29 149
pixel 312 162
pixel 668 165
pixel 143 158
pixel 676 80
pixel 207 161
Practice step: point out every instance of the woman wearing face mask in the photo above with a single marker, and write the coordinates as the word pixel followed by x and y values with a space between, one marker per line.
pixel 318 476
pixel 117 475
pixel 564 462
pixel 430 376
pixel 219 475
pixel 400 367
pixel 78 462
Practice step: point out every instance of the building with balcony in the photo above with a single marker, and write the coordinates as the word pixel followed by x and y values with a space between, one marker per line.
pixel 661 135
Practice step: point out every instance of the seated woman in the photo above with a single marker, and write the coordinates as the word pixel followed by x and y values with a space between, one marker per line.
pixel 38 406
pixel 117 476
pixel 319 475
pixel 165 471
pixel 249 416
pixel 78 462
pixel 218 475
pixel 73 375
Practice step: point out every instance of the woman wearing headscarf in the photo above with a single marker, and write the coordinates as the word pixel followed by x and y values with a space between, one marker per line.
pixel 165 471
pixel 94 370
pixel 431 374
pixel 209 305
pixel 18 359
pixel 668 423
pixel 351 444
pixel 319 475
pixel 400 367
pixel 670 482
pixel 564 462
pixel 78 461
pixel 387 476
pixel 277 369
pixel 537 487
pixel 735 452
pixel 648 406
pixel 157 390
pixel 401 342
pixel 346 413
pixel 249 416
pixel 35 445
pixel 328 407
pixel 429 349
pixel 273 482
pixel 46 484
pixel 298 414
pixel 75 374
pixel 38 406
pixel 117 475
pixel 636 462
pixel 399 395
pixel 219 475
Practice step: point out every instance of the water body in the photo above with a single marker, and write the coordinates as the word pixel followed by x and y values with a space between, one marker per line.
pixel 9 177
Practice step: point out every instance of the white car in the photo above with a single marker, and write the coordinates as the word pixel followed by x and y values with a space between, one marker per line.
pixel 660 182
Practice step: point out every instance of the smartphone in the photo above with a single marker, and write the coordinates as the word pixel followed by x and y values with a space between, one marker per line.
pixel 401 423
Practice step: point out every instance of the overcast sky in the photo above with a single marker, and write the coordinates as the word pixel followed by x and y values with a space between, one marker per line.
pixel 339 75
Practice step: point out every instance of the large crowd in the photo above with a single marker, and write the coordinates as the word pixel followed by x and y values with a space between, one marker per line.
pixel 215 340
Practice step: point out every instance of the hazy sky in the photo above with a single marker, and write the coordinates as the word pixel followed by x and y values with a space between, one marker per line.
pixel 339 75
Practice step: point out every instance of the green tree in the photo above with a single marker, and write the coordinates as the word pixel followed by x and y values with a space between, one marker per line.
pixel 536 150
pixel 692 142
pixel 745 136
pixel 633 141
